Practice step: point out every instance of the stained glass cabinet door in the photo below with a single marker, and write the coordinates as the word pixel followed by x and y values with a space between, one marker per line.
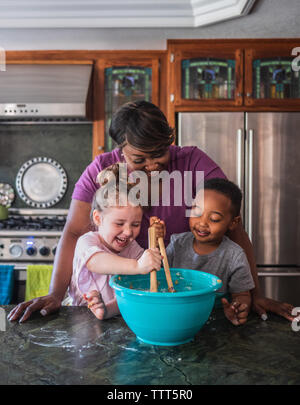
pixel 208 78
pixel 205 75
pixel 124 84
pixel 272 78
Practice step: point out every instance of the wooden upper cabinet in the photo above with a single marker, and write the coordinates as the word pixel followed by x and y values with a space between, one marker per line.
pixel 118 79
pixel 252 74
pixel 271 79
pixel 205 74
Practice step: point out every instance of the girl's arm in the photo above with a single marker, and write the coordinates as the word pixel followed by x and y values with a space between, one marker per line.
pixel 107 263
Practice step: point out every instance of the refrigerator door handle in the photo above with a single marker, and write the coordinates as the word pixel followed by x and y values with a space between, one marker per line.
pixel 239 157
pixel 282 274
pixel 250 183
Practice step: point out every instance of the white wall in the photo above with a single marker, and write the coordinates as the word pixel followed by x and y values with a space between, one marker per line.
pixel 268 19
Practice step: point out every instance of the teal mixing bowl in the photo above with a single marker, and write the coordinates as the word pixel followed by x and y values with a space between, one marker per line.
pixel 164 318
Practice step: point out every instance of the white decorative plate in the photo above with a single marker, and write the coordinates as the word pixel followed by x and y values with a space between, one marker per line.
pixel 41 182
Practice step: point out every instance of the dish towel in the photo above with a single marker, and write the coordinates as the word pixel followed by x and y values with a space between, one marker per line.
pixel 6 283
pixel 38 280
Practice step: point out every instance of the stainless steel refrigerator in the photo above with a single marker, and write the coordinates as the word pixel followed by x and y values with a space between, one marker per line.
pixel 261 153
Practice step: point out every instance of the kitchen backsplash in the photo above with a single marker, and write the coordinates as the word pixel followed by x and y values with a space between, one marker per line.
pixel 69 144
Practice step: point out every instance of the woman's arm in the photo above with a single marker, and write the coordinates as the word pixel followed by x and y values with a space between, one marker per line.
pixel 239 236
pixel 260 304
pixel 78 223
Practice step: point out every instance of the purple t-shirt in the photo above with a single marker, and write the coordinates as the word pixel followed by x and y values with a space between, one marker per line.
pixel 182 159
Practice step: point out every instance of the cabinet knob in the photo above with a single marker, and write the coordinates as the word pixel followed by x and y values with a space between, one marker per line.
pixel 249 94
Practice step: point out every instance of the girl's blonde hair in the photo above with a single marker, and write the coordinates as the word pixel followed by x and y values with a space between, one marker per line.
pixel 114 189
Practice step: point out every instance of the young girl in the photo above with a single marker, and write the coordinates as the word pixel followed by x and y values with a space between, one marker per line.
pixel 112 249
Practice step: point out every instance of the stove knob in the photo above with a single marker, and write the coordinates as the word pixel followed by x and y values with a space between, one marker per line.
pixel 31 251
pixel 54 250
pixel 16 250
pixel 44 251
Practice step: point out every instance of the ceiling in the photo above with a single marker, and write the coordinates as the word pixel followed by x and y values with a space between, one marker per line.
pixel 119 13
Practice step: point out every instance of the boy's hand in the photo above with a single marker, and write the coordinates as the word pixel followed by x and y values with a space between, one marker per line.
pixel 150 260
pixel 160 227
pixel 236 311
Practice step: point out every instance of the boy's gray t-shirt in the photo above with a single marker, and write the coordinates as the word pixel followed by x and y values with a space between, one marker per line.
pixel 228 262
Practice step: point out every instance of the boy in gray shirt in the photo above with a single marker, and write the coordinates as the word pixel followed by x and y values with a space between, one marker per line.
pixel 206 247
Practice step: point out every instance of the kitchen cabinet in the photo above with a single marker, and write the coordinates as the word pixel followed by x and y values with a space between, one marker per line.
pixel 271 80
pixel 228 75
pixel 120 77
pixel 203 74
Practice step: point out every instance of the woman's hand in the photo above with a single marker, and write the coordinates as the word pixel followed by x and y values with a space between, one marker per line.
pixel 261 305
pixel 160 227
pixel 150 260
pixel 46 305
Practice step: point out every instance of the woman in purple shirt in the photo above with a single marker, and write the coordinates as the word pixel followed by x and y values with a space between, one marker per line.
pixel 144 140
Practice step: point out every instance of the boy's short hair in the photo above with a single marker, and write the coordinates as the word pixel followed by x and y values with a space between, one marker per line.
pixel 229 189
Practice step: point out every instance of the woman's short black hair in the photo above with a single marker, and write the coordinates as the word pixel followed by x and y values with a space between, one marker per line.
pixel 141 124
pixel 229 189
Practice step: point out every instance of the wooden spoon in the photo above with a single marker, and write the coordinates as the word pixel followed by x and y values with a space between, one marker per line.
pixel 166 264
pixel 152 245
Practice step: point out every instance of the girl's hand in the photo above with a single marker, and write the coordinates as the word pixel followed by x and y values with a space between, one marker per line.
pixel 150 260
pixel 236 312
pixel 96 304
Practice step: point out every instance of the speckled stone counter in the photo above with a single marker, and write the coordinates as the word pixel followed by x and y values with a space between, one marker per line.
pixel 73 347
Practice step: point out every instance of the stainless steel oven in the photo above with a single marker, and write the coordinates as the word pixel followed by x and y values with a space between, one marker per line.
pixel 29 237
pixel 41 160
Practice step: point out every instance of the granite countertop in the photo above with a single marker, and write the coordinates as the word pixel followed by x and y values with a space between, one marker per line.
pixel 73 347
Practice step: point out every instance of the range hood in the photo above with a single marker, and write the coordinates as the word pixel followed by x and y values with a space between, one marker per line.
pixel 45 90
